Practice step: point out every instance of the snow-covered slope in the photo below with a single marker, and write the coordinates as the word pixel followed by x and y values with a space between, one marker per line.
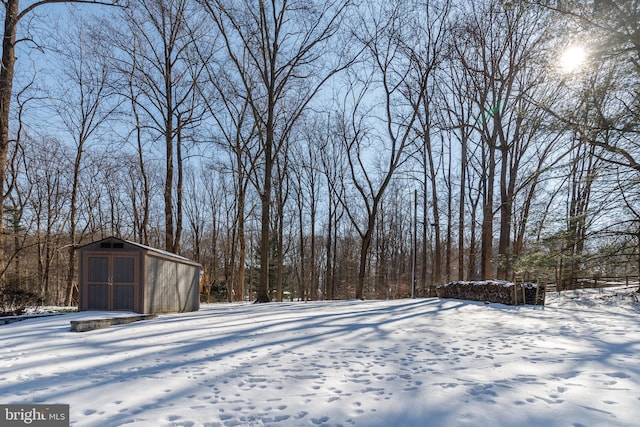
pixel 426 362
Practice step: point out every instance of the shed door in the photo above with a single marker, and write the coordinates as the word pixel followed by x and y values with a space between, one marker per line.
pixel 112 281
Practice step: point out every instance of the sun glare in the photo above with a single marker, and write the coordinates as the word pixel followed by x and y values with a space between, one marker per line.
pixel 572 59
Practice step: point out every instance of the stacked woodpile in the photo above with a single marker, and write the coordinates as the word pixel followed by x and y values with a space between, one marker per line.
pixel 533 293
pixel 495 291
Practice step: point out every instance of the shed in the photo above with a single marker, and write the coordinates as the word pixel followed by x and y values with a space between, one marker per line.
pixel 117 274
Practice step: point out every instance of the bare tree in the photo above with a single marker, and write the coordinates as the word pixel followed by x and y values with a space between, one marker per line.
pixel 631 228
pixel 156 54
pixel 599 117
pixel 334 170
pixel 283 184
pixel 142 223
pixel 84 105
pixel 457 122
pixel 500 59
pixel 379 133
pixel 282 43
pixel 19 188
pixel 13 15
pixel 431 29
pixel 46 173
pixel 306 168
pixel 235 132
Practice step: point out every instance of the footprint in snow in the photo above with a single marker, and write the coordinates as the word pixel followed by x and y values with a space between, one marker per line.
pixel 617 375
pixel 568 375
pixel 320 420
pixel 483 389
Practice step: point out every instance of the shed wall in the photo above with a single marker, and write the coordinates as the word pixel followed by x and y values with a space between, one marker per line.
pixel 170 286
pixel 110 278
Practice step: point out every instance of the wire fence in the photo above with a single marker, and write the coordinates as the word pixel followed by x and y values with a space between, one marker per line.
pixel 595 282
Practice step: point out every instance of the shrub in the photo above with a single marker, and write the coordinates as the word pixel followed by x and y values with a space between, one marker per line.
pixel 16 297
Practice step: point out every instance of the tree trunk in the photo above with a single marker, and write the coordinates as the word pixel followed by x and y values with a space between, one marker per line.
pixel 281 200
pixel 473 246
pixel 329 287
pixel 72 225
pixel 448 247
pixel 230 264
pixel 179 192
pixel 362 266
pixel 437 255
pixel 144 224
pixel 6 89
pixel 364 251
pixel 265 199
pixel 263 283
pixel 280 257
pixel 168 183
pixel 425 235
pixel 241 238
pixel 303 269
pixel 314 270
pixel 461 206
pixel 638 260
pixel 504 256
pixel 487 220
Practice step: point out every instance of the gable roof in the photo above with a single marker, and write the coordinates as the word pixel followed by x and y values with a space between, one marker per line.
pixel 150 251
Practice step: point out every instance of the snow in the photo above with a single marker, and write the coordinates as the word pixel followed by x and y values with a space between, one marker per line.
pixel 422 362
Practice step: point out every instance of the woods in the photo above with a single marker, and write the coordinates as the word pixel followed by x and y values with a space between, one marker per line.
pixel 322 149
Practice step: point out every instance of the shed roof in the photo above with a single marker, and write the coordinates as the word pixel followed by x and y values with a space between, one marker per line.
pixel 151 250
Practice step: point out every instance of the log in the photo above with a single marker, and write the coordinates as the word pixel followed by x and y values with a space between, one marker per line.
pixel 494 291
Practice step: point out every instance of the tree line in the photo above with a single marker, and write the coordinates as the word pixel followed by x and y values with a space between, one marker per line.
pixel 322 149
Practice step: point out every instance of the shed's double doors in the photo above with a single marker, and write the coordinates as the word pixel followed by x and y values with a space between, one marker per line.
pixel 112 281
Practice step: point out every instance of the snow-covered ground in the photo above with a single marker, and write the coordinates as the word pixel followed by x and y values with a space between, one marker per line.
pixel 425 362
